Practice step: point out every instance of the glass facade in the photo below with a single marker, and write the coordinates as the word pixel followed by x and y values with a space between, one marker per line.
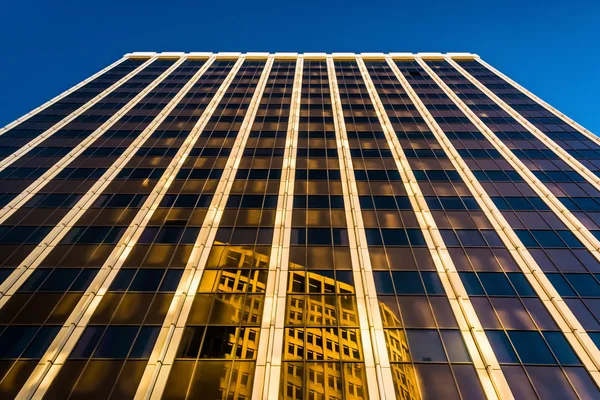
pixel 299 226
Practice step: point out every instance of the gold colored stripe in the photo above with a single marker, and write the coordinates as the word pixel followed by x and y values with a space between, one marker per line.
pixel 560 312
pixel 61 96
pixel 487 366
pixel 541 136
pixel 72 329
pixel 37 185
pixel 590 135
pixel 377 364
pixel 26 268
pixel 163 355
pixel 270 345
pixel 8 161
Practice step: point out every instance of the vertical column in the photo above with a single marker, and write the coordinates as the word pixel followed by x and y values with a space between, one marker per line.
pixel 163 355
pixel 268 360
pixel 379 375
pixel 487 366
pixel 6 162
pixel 75 326
pixel 564 318
pixel 577 228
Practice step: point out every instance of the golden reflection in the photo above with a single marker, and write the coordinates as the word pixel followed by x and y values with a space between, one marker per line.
pixel 322 348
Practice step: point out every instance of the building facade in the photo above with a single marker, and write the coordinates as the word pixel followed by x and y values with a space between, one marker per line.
pixel 299 226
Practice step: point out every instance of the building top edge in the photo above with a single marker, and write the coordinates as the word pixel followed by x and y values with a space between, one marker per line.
pixel 311 55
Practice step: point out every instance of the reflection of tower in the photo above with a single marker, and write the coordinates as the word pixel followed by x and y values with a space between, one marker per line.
pixel 397 345
pixel 322 379
pixel 321 327
pixel 237 300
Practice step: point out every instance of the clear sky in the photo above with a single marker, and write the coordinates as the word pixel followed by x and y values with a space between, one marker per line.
pixel 551 47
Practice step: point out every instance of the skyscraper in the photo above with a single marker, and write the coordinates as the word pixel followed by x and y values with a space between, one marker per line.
pixel 299 226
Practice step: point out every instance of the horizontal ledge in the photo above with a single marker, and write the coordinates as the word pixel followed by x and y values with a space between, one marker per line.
pixel 307 56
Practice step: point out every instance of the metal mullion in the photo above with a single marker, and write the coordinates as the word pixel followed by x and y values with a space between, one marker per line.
pixel 485 362
pixel 161 361
pixel 377 365
pixel 269 354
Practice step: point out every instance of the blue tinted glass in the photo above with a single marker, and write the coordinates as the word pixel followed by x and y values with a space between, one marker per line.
pixel 502 347
pixel 584 284
pixel 547 238
pixel 15 339
pixel 561 348
pixel 83 281
pixel 526 238
pixel 41 342
pixel 116 342
pixel 171 280
pixel 432 282
pixel 496 284
pixel 521 285
pixel 531 347
pixel 35 280
pixel 408 283
pixel 373 237
pixel 570 239
pixel 383 282
pixel 560 284
pixel 87 342
pixel 449 238
pixel 416 237
pixel 123 279
pixel 366 202
pixel 147 280
pixel 425 345
pixel 455 347
pixel 144 342
pixel 492 238
pixel 471 283
pixel 470 237
pixel 394 237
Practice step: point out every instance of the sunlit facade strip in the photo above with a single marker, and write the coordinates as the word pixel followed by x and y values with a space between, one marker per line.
pixel 268 369
pixel 376 357
pixel 163 354
pixel 77 322
pixel 486 364
pixel 564 317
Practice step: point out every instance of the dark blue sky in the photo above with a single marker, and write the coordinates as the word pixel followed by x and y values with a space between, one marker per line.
pixel 551 47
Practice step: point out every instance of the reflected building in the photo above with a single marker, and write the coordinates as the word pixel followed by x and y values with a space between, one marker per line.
pixel 299 226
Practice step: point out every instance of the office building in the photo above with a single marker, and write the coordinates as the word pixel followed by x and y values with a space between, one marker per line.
pixel 299 226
